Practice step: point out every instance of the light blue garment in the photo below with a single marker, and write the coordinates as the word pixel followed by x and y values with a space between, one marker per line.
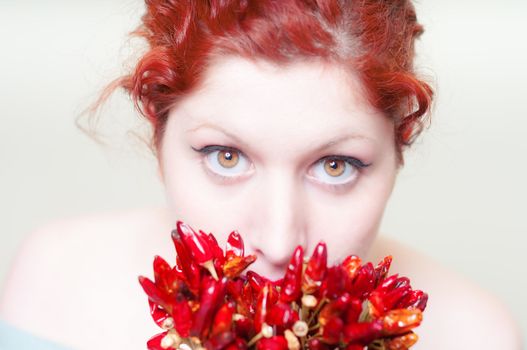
pixel 12 338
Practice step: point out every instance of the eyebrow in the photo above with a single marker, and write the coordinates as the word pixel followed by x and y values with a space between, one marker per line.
pixel 320 148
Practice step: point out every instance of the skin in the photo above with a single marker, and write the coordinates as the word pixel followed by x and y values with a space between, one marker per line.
pixel 75 281
pixel 281 186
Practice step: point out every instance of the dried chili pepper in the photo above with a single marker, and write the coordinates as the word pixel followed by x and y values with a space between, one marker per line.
pixel 382 268
pixel 351 265
pixel 317 344
pixel 401 321
pixel 292 283
pixel 234 265
pixel 363 332
pixel 212 291
pixel 332 331
pixel 281 315
pixel 188 266
pixel 154 343
pixel 220 340
pixel 223 318
pixel 274 343
pixel 316 269
pixel 235 245
pixel 363 281
pixel 262 308
pixel 313 307
pixel 198 246
pixel 401 342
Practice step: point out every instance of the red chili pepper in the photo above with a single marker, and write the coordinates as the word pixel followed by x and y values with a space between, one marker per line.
pixel 364 281
pixel 354 347
pixel 282 315
pixel 262 308
pixel 151 290
pixel 292 283
pixel 421 299
pixel 234 289
pixel 162 270
pixel 317 344
pixel 385 300
pixel 351 304
pixel 401 342
pixel 196 244
pixel 212 292
pixel 335 282
pixel 243 296
pixel 182 315
pixel 219 341
pixel 188 266
pixel 244 327
pixel 278 282
pixel 235 265
pixel 154 343
pixel 234 244
pixel 316 269
pixel 401 321
pixel 237 344
pixel 217 252
pixel 388 283
pixel 362 332
pixel 248 301
pixel 223 318
pixel 332 330
pixel 159 314
pixel 351 265
pixel 353 311
pixel 415 299
pixel 276 342
pixel 335 308
pixel 393 297
pixel 257 282
pixel 381 270
pixel 168 280
pixel 402 282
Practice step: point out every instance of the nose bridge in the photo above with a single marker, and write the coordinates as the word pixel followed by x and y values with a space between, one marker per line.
pixel 281 223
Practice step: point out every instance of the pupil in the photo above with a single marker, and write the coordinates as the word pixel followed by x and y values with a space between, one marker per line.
pixel 228 155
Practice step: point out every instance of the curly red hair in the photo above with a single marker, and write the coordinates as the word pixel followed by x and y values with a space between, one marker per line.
pixel 373 38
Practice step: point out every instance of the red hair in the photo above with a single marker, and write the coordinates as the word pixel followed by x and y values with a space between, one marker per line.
pixel 373 38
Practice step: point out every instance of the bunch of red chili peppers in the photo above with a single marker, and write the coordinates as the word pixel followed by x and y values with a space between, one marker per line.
pixel 205 302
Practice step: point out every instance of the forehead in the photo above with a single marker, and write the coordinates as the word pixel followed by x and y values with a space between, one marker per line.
pixel 304 101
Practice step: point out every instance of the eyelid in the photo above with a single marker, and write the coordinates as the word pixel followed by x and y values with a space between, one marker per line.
pixel 355 163
pixel 351 160
pixel 213 148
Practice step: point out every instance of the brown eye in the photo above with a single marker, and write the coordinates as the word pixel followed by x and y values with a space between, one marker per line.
pixel 336 170
pixel 228 158
pixel 334 167
pixel 225 162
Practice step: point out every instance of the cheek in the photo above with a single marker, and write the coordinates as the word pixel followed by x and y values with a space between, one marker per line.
pixel 349 226
pixel 193 198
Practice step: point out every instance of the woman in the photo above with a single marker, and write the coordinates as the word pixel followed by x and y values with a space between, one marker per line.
pixel 285 120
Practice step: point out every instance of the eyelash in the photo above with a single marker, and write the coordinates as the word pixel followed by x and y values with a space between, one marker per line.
pixel 354 162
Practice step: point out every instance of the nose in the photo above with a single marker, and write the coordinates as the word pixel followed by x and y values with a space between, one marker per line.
pixel 279 219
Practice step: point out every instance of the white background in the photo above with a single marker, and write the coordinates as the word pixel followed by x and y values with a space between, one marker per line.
pixel 461 197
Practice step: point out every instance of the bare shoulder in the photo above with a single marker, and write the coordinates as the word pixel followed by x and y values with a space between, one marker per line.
pixel 79 268
pixel 459 314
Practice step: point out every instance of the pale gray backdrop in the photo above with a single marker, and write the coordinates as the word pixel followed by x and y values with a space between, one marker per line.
pixel 461 197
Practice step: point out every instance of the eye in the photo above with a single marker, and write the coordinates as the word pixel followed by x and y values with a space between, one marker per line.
pixel 337 171
pixel 225 162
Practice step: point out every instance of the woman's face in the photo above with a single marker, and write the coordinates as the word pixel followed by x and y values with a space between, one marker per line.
pixel 286 156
